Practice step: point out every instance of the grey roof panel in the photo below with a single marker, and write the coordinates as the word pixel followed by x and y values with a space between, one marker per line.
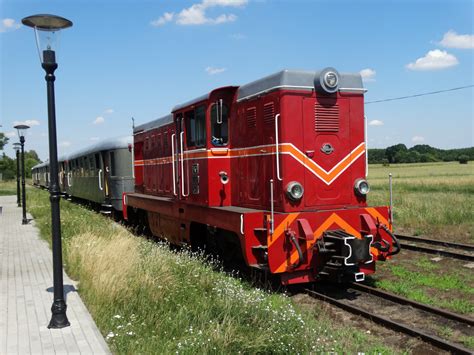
pixel 154 124
pixel 191 102
pixel 294 79
pixel 106 144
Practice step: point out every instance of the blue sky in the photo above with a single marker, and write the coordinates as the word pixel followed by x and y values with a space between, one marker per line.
pixel 124 59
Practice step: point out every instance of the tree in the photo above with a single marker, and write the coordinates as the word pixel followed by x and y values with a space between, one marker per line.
pixel 392 151
pixel 7 167
pixel 463 159
pixel 3 140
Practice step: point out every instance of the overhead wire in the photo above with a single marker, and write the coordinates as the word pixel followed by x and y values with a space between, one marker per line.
pixel 418 95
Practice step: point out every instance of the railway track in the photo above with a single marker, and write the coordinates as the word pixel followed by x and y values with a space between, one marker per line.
pixel 439 247
pixel 401 314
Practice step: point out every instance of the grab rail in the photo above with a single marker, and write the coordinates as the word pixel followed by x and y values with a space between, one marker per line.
pixel 100 180
pixel 277 148
pixel 172 162
pixel 69 179
pixel 182 164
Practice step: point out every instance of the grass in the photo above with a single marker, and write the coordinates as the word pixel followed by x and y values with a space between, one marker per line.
pixel 148 298
pixel 433 199
pixel 426 281
pixel 7 188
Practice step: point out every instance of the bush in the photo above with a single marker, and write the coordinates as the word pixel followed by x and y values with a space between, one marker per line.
pixel 463 159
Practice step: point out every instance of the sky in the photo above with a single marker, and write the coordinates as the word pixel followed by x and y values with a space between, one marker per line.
pixel 124 59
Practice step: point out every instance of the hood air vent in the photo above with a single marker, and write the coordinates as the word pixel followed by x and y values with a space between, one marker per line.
pixel 326 119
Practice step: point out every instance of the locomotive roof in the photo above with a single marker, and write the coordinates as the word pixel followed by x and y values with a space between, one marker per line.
pixel 297 80
pixel 154 124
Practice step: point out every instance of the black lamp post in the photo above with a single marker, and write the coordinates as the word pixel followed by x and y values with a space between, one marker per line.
pixel 21 128
pixel 17 146
pixel 47 28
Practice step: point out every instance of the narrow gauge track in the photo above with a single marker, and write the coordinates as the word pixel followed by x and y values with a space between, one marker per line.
pixel 448 247
pixel 430 315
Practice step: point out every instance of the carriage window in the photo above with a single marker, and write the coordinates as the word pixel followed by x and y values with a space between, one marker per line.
pixel 97 161
pixel 196 127
pixel 91 163
pixel 112 164
pixel 219 129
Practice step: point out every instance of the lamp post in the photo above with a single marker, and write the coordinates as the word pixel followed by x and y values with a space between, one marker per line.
pixel 47 28
pixel 17 146
pixel 21 128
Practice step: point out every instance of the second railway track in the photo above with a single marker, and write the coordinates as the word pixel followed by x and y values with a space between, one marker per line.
pixel 401 314
pixel 439 247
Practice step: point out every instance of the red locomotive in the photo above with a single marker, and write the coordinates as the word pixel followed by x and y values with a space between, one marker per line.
pixel 272 172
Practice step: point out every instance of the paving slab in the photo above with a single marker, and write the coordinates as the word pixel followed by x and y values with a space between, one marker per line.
pixel 26 295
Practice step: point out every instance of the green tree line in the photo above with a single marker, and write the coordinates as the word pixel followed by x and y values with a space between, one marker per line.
pixel 8 165
pixel 421 153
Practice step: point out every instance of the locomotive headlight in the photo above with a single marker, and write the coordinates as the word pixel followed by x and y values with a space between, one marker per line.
pixel 294 191
pixel 326 81
pixel 361 187
pixel 331 79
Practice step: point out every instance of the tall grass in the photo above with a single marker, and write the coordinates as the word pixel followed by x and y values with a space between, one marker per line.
pixel 7 187
pixel 430 199
pixel 148 298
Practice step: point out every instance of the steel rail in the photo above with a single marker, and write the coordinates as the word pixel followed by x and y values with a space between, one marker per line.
pixel 432 339
pixel 405 301
pixel 449 254
pixel 466 247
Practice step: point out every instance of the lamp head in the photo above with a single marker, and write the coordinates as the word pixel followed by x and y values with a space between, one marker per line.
pixel 47 29
pixel 21 128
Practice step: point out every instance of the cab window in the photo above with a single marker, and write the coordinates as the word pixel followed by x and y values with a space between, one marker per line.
pixel 196 127
pixel 219 124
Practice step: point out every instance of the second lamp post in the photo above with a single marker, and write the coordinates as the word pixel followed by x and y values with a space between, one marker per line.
pixel 21 133
pixel 17 147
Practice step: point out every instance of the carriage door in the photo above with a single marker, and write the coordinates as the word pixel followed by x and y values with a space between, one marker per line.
pixel 327 145
pixel 176 152
pixel 105 172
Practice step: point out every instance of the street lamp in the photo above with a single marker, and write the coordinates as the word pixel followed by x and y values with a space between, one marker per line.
pixel 21 128
pixel 47 28
pixel 17 146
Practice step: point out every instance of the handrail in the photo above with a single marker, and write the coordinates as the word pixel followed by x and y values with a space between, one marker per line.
pixel 272 223
pixel 69 179
pixel 277 147
pixel 182 164
pixel 100 181
pixel 366 150
pixel 172 163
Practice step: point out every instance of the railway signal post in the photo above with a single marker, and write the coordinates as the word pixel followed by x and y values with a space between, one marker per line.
pixel 21 128
pixel 46 29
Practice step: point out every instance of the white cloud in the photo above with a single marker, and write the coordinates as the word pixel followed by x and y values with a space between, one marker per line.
pixel 376 123
pixel 434 60
pixel 8 24
pixel 65 144
pixel 109 111
pixel 10 134
pixel 418 139
pixel 94 139
pixel 30 123
pixel 196 14
pixel 368 74
pixel 167 17
pixel 213 71
pixel 452 40
pixel 99 120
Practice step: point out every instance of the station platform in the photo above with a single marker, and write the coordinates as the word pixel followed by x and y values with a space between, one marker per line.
pixel 26 295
